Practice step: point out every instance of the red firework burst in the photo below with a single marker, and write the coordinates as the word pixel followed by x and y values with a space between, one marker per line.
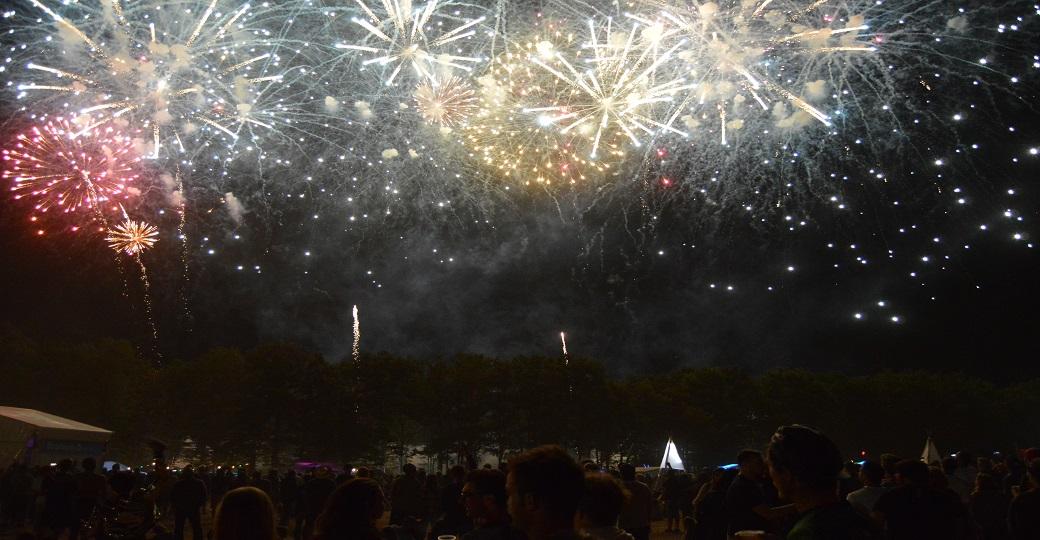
pixel 70 170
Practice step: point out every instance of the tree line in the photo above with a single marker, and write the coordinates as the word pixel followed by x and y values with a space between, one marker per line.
pixel 279 402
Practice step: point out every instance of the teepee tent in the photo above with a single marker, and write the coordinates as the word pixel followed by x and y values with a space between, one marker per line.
pixel 671 457
pixel 930 454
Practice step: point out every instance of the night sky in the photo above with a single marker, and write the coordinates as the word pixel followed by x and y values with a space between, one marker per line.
pixel 886 241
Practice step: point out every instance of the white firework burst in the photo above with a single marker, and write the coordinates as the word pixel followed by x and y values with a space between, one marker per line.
pixel 185 73
pixel 619 87
pixel 401 40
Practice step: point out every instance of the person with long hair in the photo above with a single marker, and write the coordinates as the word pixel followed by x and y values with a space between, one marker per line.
pixel 351 512
pixel 245 513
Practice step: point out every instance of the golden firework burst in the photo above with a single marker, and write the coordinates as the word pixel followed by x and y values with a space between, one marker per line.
pixel 132 237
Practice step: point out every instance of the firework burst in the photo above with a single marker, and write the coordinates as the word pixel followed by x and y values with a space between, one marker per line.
pixel 768 61
pixel 616 88
pixel 186 75
pixel 524 147
pixel 446 103
pixel 132 237
pixel 402 40
pixel 69 169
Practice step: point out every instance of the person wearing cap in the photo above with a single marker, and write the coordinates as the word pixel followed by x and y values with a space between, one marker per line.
pixel 804 466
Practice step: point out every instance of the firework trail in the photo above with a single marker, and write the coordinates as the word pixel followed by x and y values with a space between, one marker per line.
pixel 563 341
pixel 355 353
pixel 182 235
pixel 133 238
pixel 355 350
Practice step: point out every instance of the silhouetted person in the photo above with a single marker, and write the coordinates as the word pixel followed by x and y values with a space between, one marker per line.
pixel 1024 514
pixel 600 507
pixel 709 508
pixel 220 485
pixel 345 476
pixel 914 510
pixel 953 481
pixel 671 495
pixel 406 501
pixel 59 506
pixel 485 500
pixel 288 494
pixel 187 496
pixel 636 514
pixel 746 505
pixel 352 512
pixel 121 482
pixel 804 466
pixel 989 508
pixel 18 485
pixel 888 462
pixel 966 469
pixel 863 499
pixel 453 518
pixel 246 513
pixel 544 487
pixel 313 497
pixel 91 488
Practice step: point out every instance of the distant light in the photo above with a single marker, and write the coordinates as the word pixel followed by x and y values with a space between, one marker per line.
pixel 857 316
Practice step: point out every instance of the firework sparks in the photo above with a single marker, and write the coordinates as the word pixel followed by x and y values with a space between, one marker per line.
pixel 69 169
pixel 563 342
pixel 132 237
pixel 520 146
pixel 615 91
pixel 355 350
pixel 445 103
pixel 744 60
pixel 405 43
pixel 188 74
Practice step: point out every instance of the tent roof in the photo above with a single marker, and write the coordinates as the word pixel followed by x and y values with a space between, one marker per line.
pixel 930 454
pixel 671 456
pixel 44 420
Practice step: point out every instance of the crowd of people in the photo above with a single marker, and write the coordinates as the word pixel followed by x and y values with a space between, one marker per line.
pixel 799 488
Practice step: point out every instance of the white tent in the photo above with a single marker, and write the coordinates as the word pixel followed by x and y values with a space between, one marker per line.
pixel 36 437
pixel 930 454
pixel 671 457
